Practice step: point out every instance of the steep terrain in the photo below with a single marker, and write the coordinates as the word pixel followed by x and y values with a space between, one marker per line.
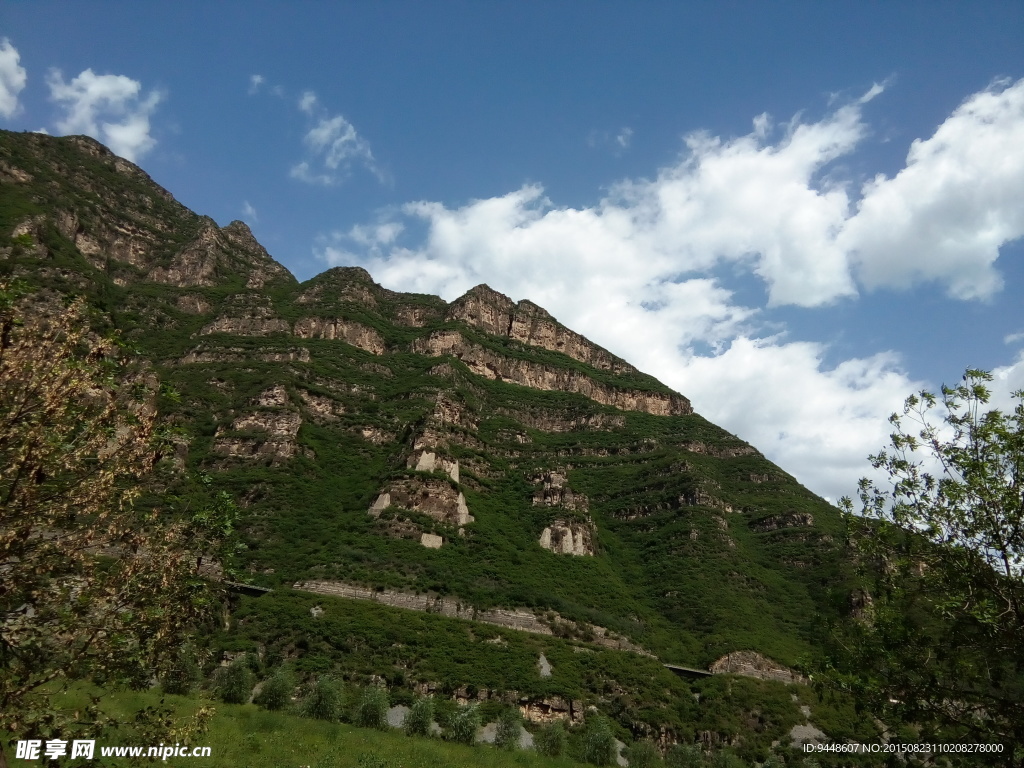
pixel 473 460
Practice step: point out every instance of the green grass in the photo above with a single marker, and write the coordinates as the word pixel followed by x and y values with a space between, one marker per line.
pixel 244 735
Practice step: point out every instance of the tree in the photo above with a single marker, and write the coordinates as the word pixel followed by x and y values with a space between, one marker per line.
pixel 324 700
pixel 937 636
pixel 420 717
pixel 372 708
pixel 643 754
pixel 598 742
pixel 464 724
pixel 551 739
pixel 91 586
pixel 235 682
pixel 277 690
pixel 506 734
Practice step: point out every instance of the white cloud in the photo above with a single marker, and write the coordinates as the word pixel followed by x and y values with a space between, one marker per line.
pixel 639 272
pixel 255 81
pixel 1013 338
pixel 249 213
pixel 624 137
pixel 307 102
pixel 818 423
pixel 332 142
pixel 110 108
pixel 945 216
pixel 12 79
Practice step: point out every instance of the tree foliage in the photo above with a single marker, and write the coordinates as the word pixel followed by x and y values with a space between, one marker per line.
pixel 598 742
pixel 235 682
pixel 509 724
pixel 372 708
pixel 277 690
pixel 420 717
pixel 550 740
pixel 90 584
pixel 936 641
pixel 323 701
pixel 464 724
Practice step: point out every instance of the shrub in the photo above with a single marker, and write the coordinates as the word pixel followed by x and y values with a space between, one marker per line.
pixel 506 736
pixel 372 709
pixel 643 754
pixel 684 756
pixel 550 741
pixel 234 683
pixel 420 717
pixel 465 724
pixel 725 759
pixel 277 691
pixel 598 742
pixel 323 701
pixel 183 675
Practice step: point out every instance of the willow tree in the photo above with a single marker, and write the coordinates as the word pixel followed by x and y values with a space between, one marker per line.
pixel 937 640
pixel 91 585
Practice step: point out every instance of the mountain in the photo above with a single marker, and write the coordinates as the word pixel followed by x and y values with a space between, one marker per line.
pixel 404 463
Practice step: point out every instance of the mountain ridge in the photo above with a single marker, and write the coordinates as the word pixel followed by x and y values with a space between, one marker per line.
pixel 475 451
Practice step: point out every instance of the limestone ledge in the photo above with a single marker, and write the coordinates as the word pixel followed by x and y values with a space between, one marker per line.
pixel 519 620
pixel 526 373
pixel 495 313
pixel 775 522
pixel 258 322
pixel 203 354
pixel 753 664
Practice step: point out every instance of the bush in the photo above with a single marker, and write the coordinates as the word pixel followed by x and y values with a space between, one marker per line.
pixel 465 724
pixel 684 756
pixel 420 717
pixel 276 692
pixel 598 742
pixel 323 701
pixel 643 754
pixel 550 741
pixel 725 759
pixel 183 675
pixel 234 683
pixel 506 736
pixel 372 709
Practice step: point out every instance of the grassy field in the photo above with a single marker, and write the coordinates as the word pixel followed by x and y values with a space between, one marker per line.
pixel 245 736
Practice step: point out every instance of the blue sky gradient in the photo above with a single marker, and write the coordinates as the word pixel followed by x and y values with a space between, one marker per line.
pixel 688 184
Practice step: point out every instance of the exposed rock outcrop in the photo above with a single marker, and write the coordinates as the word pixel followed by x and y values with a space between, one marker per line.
pixel 790 520
pixel 350 332
pixel 491 365
pixel 432 497
pixel 428 461
pixel 752 664
pixel 495 313
pixel 519 620
pixel 204 354
pixel 555 492
pixel 565 537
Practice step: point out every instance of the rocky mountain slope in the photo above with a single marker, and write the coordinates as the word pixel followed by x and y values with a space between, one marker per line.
pixel 476 457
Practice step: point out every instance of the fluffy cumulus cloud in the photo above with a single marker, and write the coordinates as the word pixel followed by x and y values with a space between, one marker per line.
pixel 12 79
pixel 333 147
pixel 945 216
pixel 110 108
pixel 641 272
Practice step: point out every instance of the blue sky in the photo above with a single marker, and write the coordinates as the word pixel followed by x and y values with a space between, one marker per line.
pixel 794 213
